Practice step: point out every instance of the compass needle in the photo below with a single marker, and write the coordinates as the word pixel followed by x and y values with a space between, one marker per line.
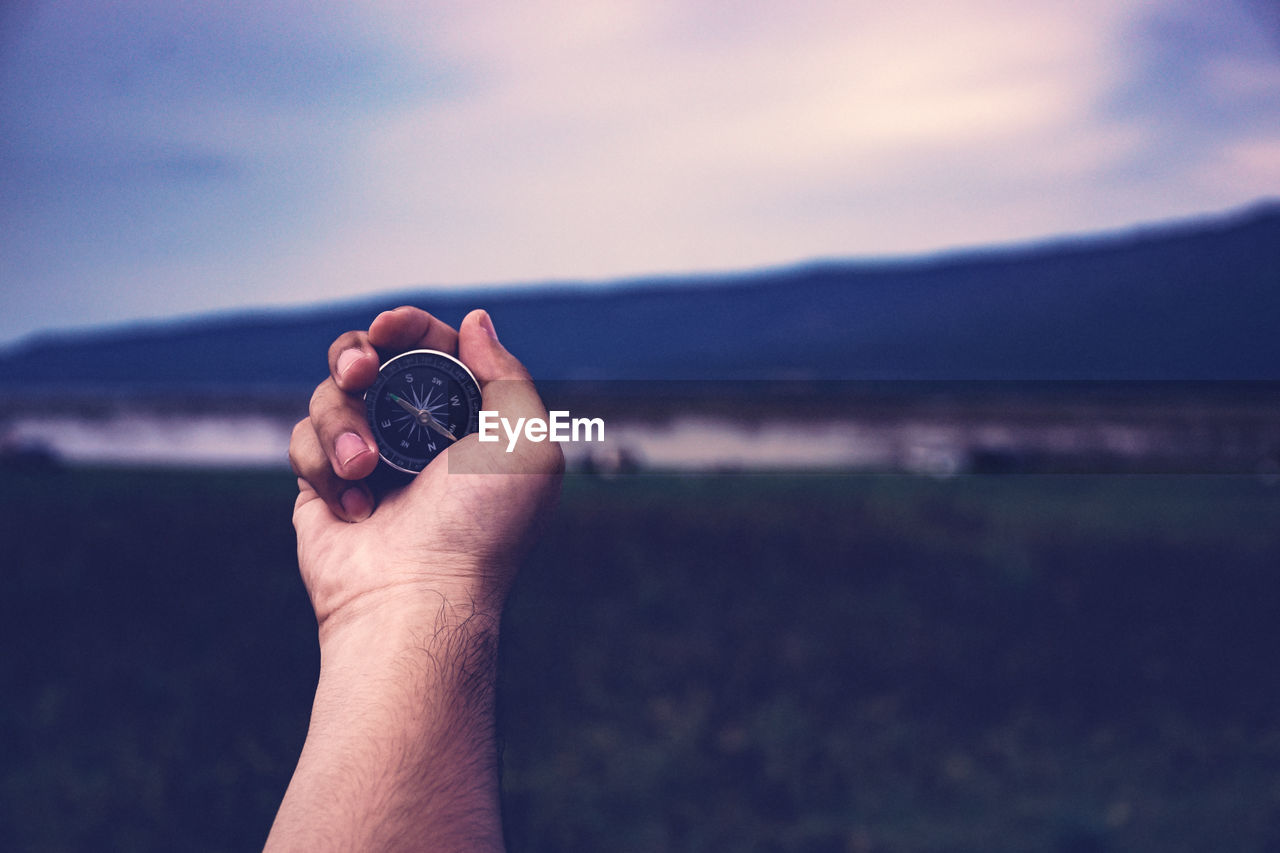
pixel 405 404
pixel 438 427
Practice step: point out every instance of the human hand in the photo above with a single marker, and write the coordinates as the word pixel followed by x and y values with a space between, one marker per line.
pixel 408 591
pixel 446 545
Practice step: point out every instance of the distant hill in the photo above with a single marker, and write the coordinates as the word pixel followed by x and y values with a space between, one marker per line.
pixel 1193 301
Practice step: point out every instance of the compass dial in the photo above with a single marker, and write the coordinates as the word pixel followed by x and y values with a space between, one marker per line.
pixel 422 402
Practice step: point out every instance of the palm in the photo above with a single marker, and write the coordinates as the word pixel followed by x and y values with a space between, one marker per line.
pixel 448 534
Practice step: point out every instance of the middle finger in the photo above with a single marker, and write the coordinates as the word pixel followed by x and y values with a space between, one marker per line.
pixel 344 434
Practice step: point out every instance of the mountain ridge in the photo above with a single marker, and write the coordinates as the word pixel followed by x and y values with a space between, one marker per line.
pixel 1197 300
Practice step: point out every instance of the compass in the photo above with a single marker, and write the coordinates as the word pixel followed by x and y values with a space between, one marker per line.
pixel 420 404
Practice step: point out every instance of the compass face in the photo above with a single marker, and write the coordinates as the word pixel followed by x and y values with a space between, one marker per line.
pixel 421 402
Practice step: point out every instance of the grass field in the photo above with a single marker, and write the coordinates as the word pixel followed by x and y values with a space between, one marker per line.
pixel 714 663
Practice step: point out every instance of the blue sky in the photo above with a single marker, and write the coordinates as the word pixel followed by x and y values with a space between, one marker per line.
pixel 171 158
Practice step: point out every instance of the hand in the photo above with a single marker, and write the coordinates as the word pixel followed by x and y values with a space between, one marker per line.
pixel 448 541
pixel 408 594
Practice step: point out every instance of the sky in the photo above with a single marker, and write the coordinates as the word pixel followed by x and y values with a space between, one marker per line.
pixel 163 159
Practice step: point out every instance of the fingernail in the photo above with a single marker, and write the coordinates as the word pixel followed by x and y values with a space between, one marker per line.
pixel 486 323
pixel 356 504
pixel 349 446
pixel 347 358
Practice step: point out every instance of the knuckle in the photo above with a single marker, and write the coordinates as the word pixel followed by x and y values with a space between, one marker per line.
pixel 322 400
pixel 298 439
pixel 306 456
pixel 315 398
pixel 345 341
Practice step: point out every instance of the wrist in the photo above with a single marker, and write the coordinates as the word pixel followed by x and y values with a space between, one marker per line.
pixel 407 616
pixel 402 598
pixel 418 665
pixel 432 667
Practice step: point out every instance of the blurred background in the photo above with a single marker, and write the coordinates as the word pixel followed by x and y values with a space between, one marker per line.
pixel 935 345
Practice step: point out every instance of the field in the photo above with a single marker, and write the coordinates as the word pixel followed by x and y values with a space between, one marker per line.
pixel 772 663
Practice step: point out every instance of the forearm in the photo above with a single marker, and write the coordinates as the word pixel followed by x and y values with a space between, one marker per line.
pixel 400 753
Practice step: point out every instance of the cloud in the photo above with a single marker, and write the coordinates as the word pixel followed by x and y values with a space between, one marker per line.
pixel 295 151
pixel 158 151
pixel 656 136
pixel 1202 87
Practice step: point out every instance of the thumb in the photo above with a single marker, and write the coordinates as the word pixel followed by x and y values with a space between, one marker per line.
pixel 505 386
pixel 480 350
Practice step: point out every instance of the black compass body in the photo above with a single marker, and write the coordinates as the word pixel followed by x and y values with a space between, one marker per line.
pixel 422 402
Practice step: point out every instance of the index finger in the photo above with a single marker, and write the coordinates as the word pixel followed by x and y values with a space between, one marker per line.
pixel 354 357
pixel 407 328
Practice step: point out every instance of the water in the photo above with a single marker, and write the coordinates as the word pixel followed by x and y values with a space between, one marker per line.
pixel 935 445
pixel 124 437
pixel 148 438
